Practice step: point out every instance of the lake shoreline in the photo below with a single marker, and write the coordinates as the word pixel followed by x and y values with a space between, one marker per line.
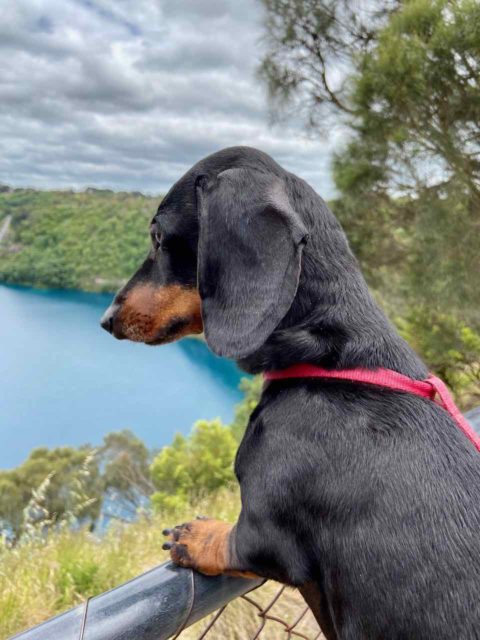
pixel 199 336
pixel 65 381
pixel 25 285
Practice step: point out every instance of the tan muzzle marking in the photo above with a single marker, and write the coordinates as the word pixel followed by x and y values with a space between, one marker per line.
pixel 151 313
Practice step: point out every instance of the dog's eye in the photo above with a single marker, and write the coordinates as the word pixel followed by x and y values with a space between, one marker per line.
pixel 156 236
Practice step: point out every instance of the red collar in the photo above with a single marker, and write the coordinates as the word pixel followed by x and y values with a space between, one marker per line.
pixel 430 388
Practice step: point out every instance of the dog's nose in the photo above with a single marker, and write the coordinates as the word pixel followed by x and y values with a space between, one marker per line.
pixel 106 321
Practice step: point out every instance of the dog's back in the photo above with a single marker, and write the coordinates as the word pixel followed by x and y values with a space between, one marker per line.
pixel 381 512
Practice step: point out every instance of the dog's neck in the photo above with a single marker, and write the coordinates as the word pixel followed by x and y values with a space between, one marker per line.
pixel 334 321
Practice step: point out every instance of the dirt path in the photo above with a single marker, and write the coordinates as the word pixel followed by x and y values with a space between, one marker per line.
pixel 5 227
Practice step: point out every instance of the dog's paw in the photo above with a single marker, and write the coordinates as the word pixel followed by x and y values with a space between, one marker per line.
pixel 201 544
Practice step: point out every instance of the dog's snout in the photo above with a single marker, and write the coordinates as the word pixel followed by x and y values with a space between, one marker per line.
pixel 106 320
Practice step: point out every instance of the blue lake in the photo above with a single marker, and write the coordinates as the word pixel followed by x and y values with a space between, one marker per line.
pixel 65 381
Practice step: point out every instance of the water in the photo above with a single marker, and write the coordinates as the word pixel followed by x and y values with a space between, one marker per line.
pixel 65 381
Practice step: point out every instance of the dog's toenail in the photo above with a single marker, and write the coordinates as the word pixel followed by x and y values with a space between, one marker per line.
pixel 166 532
pixel 167 546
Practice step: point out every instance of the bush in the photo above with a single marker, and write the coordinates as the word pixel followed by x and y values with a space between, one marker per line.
pixel 450 347
pixel 252 387
pixel 58 571
pixel 194 466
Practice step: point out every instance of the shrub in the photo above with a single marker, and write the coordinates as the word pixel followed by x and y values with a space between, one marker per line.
pixel 450 347
pixel 193 466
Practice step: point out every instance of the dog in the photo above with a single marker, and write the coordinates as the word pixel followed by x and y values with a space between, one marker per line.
pixel 366 499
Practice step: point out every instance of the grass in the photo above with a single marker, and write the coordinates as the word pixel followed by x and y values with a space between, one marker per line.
pixel 59 572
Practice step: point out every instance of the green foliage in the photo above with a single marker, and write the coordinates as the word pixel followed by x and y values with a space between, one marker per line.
pixel 417 126
pixel 64 483
pixel 192 476
pixel 419 116
pixel 380 231
pixel 60 486
pixel 92 240
pixel 193 466
pixel 77 576
pixel 403 77
pixel 451 348
pixel 417 93
pixel 311 45
pixel 63 569
pixel 202 463
pixel 252 387
pixel 125 461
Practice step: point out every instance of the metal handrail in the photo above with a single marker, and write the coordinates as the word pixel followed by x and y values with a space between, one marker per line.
pixel 154 606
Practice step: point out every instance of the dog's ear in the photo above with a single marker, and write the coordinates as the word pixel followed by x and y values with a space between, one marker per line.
pixel 249 258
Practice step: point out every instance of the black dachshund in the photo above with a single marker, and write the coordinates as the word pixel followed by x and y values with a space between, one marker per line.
pixel 365 498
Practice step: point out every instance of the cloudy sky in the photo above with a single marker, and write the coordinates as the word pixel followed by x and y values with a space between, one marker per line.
pixel 128 94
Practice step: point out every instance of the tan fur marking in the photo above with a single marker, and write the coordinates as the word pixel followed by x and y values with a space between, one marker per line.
pixel 203 545
pixel 148 310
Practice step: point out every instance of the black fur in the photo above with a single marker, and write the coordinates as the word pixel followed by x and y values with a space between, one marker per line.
pixel 367 499
pixel 249 258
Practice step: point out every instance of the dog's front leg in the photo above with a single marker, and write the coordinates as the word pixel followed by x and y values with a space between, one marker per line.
pixel 206 545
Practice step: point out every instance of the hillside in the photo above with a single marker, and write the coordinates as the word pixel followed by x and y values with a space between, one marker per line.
pixel 91 240
pixel 55 573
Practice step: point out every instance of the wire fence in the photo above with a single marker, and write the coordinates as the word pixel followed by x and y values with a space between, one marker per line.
pixel 269 612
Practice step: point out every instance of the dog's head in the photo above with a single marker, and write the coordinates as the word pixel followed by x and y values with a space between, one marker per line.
pixel 225 258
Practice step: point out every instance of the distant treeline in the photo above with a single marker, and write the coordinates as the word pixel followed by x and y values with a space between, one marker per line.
pixel 71 485
pixel 91 240
pixel 420 258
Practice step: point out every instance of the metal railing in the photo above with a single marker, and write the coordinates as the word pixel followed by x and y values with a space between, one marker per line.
pixel 166 601
pixel 153 606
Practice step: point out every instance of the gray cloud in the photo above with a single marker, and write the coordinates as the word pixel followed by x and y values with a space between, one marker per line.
pixel 129 95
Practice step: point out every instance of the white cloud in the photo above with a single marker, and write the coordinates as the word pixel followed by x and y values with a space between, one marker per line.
pixel 129 95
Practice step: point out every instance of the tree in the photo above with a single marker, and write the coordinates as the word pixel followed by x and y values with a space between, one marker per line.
pixel 55 484
pixel 125 461
pixel 417 129
pixel 252 388
pixel 405 74
pixel 417 93
pixel 62 466
pixel 403 79
pixel 312 48
pixel 91 241
pixel 451 348
pixel 194 466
